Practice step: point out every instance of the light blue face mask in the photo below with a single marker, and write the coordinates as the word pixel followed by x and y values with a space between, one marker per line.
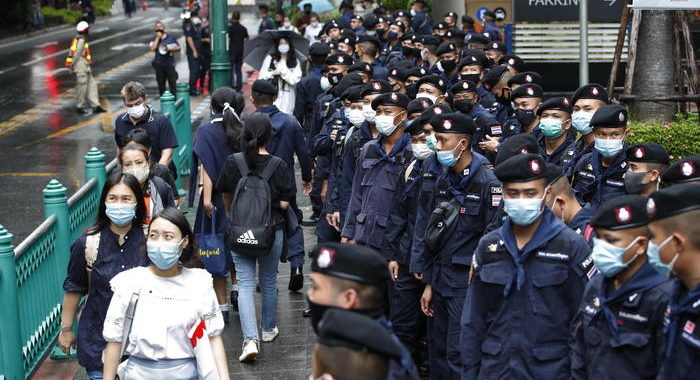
pixel 581 121
pixel 654 255
pixel 609 147
pixel 163 254
pixel 551 128
pixel 120 214
pixel 608 257
pixel 523 212
pixel 447 158
pixel 431 141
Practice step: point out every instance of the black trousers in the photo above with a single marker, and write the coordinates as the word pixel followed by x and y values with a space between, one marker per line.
pixel 164 73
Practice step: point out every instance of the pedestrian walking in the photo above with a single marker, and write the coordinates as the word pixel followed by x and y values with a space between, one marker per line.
pixel 283 69
pixel 78 61
pixel 312 31
pixel 193 43
pixel 139 136
pixel 164 46
pixel 266 22
pixel 113 244
pixel 205 59
pixel 170 309
pixel 237 35
pixel 287 25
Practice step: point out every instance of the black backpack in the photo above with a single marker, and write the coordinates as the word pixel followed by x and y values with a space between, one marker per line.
pixel 250 230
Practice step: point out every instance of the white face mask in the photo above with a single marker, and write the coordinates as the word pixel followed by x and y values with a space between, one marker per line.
pixel 283 49
pixel 368 112
pixel 421 151
pixel 433 98
pixel 325 84
pixel 136 111
pixel 356 117
pixel 314 24
pixel 287 24
pixel 385 124
pixel 141 174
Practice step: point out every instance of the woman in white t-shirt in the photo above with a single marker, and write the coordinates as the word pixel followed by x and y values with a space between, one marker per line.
pixel 173 297
pixel 283 67
pixel 312 30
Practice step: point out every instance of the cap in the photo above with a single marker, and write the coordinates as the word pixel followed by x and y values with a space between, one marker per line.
pixel 493 76
pixel 496 45
pixel 358 332
pixel 319 48
pixel 418 105
pixel 352 262
pixel 521 168
pixel 473 59
pixel 348 40
pixel 401 13
pixel 264 86
pixel 521 143
pixel 444 48
pixel 561 103
pixel 376 87
pixel 514 61
pixel 525 78
pixel 353 94
pixel 621 212
pixel 479 39
pixel 398 73
pixel 349 80
pixel 433 80
pixel 357 17
pixel 591 91
pixel 430 40
pixel 610 116
pixel 451 14
pixel 418 72
pixel 648 152
pixel 454 122
pixel 553 172
pixel 391 99
pixel 531 90
pixel 684 170
pixel 408 36
pixel 370 21
pixel 333 24
pixel 455 34
pixel 463 86
pixel 362 67
pixel 339 58
pixel 371 39
pixel 441 26
pixel 82 26
pixel 400 24
pixel 674 200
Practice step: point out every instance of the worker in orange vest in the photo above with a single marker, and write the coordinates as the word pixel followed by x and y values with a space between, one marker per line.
pixel 78 62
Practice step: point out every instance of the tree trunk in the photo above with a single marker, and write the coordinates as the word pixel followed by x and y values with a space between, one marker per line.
pixel 654 70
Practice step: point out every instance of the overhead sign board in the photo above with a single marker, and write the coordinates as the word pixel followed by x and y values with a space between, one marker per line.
pixel 666 4
pixel 567 10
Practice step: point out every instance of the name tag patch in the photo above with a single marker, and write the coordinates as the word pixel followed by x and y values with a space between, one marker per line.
pixel 553 256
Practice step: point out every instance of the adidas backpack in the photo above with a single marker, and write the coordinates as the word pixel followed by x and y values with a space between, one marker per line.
pixel 250 231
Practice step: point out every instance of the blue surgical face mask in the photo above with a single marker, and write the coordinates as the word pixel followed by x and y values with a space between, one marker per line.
pixel 447 158
pixel 120 214
pixel 608 147
pixel 608 257
pixel 551 128
pixel 582 121
pixel 523 212
pixel 431 141
pixel 654 255
pixel 385 124
pixel 163 254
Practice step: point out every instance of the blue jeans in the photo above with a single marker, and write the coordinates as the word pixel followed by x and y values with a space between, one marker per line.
pixel 93 374
pixel 245 274
pixel 236 73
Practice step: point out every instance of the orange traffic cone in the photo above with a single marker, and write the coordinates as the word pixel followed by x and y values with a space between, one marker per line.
pixel 144 5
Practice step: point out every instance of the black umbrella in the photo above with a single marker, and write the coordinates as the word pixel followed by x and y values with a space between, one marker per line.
pixel 263 44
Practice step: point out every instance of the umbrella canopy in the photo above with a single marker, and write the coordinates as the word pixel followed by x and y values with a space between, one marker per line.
pixel 317 6
pixel 263 44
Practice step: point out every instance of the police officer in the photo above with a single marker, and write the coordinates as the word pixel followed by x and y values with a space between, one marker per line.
pixel 420 22
pixel 565 206
pixel 526 284
pixel 397 79
pixel 413 75
pixel 478 42
pixel 527 77
pixel 619 325
pixel 496 81
pixel 363 69
pixel 513 63
pixel 645 163
pixel 428 46
pixel 392 52
pixel 309 87
pixel 346 44
pixel 685 170
pixel 353 277
pixel 586 100
pixel 554 139
pixel 599 175
pixel 464 100
pixel 432 87
pixel 527 98
pixel 367 50
pixel 193 43
pixel 78 62
pixel 675 248
pixel 490 28
pixel 446 66
pixel 458 197
pixel 472 67
pixel 287 141
pixel 495 50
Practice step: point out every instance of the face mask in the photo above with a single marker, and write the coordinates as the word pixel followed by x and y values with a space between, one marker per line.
pixel 141 174
pixel 368 113
pixel 356 117
pixel 608 148
pixel 654 255
pixel 411 90
pixel 385 124
pixel 523 212
pixel 431 142
pixel 432 98
pixel 505 100
pixel 551 128
pixel 163 254
pixel 525 117
pixel 120 214
pixel 424 55
pixel 325 84
pixel 314 24
pixel 334 78
pixel 318 310
pixel 283 49
pixel 633 182
pixel 464 105
pixel 412 12
pixel 392 36
pixel 136 111
pixel 472 77
pixel 421 151
pixel 608 257
pixel 287 24
pixel 582 121
pixel 447 158
pixel 447 65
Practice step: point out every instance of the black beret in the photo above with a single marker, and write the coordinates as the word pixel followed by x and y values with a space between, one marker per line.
pixel 370 21
pixel 468 19
pixel 684 170
pixel 525 78
pixel 674 200
pixel 384 20
pixel 560 103
pixel 333 24
pixel 451 14
pixel 353 94
pixel 264 86
pixel 418 105
pixel 496 45
pixel 472 59
pixel 493 76
pixel 454 122
pixel 348 40
pixel 349 80
pixel 346 4
pixel 489 13
pixel 371 39
pixel 455 34
pixel 357 17
pixel 648 152
pixel 416 72
pixel 521 168
pixel 591 91
pixel 415 127
pixel 319 48
pixel 514 61
pixel 445 47
pixel 478 38
pixel 339 58
pixel 400 24
pixel 376 87
pixel 398 73
pixel 396 99
pixel 351 262
pixel 401 13
pixel 333 45
pixel 408 36
pixel 610 116
pixel 433 80
pixel 463 86
pixel 531 90
pixel 430 40
pixel 553 172
pixel 358 332
pixel 441 25
pixel 621 212
pixel 362 67
pixel 521 143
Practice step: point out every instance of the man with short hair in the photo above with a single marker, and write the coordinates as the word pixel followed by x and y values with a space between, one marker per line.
pixel 554 138
pixel 586 100
pixel 164 46
pixel 237 35
pixel 367 50
pixel 266 22
pixel 685 170
pixel 420 21
pixel 646 163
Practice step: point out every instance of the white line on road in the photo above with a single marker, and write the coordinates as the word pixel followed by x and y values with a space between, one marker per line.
pixel 98 30
pixel 47 44
pixel 8 69
pixel 129 45
pixel 59 70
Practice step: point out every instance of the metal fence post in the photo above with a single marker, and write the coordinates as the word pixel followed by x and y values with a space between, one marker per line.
pixel 184 130
pixel 95 167
pixel 167 106
pixel 10 340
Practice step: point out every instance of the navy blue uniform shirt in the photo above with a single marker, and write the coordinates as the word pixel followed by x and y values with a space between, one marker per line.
pixel 681 347
pixel 157 126
pixel 167 59
pixel 594 183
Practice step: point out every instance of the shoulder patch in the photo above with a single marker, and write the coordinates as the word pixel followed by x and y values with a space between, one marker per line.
pixel 588 267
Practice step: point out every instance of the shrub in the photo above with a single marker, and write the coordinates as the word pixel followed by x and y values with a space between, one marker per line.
pixel 102 7
pixel 678 137
pixel 67 16
pixel 393 5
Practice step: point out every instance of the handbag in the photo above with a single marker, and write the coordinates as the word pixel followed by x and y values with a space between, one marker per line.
pixel 128 320
pixel 203 353
pixel 211 248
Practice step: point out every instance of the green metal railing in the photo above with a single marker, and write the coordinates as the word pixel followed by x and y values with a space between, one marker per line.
pixel 177 108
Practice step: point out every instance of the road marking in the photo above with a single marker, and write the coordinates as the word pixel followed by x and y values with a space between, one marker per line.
pixel 47 44
pixel 106 117
pixel 59 70
pixel 7 70
pixel 47 174
pixel 129 45
pixel 98 30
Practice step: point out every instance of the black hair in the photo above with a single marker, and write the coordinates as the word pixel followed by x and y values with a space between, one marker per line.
pixel 132 183
pixel 189 257
pixel 235 16
pixel 231 123
pixel 139 136
pixel 261 98
pixel 291 55
pixel 257 131
pixel 317 60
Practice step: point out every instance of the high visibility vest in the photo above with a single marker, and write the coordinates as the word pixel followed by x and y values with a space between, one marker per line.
pixel 85 54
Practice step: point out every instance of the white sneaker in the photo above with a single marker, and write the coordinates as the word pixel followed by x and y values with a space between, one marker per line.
pixel 269 336
pixel 250 350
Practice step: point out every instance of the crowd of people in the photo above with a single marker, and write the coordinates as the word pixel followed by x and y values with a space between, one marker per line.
pixel 467 225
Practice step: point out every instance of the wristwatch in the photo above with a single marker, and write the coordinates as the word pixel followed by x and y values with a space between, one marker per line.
pixel 64 327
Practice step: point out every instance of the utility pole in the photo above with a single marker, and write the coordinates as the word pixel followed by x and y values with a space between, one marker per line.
pixel 218 13
pixel 583 42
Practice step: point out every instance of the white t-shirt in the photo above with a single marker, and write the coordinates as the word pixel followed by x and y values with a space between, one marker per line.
pixel 166 310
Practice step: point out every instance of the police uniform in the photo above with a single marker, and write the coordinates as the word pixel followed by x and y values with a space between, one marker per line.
pixel 79 60
pixel 309 89
pixel 589 91
pixel 618 331
pixel 379 72
pixel 564 153
pixel 473 194
pixel 684 170
pixel 680 353
pixel 194 64
pixel 486 124
pixel 517 315
pixel 527 77
pixel 500 110
pixel 521 118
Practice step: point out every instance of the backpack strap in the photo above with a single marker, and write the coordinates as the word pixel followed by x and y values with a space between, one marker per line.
pixel 239 159
pixel 270 168
pixel 92 246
